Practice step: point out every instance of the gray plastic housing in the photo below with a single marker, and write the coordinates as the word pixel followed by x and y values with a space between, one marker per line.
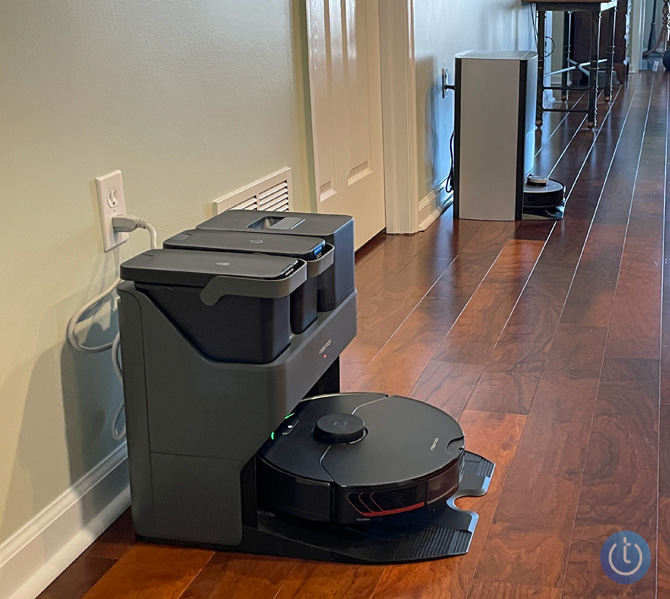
pixel 193 423
pixel 315 251
pixel 233 307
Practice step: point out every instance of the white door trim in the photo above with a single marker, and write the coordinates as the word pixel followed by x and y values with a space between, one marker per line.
pixel 401 163
pixel 343 59
pixel 637 37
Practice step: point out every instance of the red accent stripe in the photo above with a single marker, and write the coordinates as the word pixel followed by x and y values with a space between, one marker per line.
pixel 360 498
pixel 399 510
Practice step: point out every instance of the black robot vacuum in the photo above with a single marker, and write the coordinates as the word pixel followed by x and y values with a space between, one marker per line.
pixel 353 457
pixel 543 199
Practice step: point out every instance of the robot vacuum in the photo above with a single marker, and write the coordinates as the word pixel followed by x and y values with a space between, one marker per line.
pixel 543 199
pixel 355 457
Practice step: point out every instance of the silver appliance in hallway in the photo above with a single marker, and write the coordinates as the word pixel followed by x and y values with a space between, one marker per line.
pixel 494 139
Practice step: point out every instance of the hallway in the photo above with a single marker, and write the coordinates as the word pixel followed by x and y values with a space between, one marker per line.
pixel 548 342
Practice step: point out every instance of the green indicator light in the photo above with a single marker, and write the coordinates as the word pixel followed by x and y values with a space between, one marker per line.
pixel 272 436
pixel 289 415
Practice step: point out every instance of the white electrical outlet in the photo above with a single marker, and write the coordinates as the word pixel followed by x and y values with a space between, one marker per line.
pixel 111 203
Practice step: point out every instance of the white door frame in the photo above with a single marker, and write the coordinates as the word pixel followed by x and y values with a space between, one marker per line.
pixel 398 80
pixel 637 37
pixel 343 59
pixel 398 76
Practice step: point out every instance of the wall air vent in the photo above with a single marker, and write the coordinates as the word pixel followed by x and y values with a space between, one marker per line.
pixel 271 193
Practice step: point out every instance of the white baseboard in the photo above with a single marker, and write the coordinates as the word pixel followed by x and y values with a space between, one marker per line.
pixel 37 553
pixel 432 205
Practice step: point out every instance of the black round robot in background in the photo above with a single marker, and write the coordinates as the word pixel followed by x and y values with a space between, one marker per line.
pixel 666 60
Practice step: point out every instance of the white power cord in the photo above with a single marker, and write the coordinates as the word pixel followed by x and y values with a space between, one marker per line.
pixel 124 223
pixel 117 434
pixel 76 317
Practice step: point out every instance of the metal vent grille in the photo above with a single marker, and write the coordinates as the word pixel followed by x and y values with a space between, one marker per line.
pixel 271 193
pixel 250 204
pixel 275 198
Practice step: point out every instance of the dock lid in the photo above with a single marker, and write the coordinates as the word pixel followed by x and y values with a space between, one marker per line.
pixel 497 55
pixel 192 268
pixel 295 223
pixel 306 248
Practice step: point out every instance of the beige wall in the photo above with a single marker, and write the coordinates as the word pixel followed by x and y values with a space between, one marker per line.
pixel 191 99
pixel 442 30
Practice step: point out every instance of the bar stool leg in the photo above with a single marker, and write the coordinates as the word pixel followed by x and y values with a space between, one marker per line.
pixel 541 18
pixel 610 56
pixel 566 53
pixel 596 17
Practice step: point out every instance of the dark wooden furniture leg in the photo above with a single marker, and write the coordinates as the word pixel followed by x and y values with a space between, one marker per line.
pixel 541 19
pixel 596 17
pixel 663 40
pixel 610 56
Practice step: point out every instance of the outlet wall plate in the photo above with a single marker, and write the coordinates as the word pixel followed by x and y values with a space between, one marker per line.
pixel 111 203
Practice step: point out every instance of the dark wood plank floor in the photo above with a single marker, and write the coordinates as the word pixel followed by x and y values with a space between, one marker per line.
pixel 550 344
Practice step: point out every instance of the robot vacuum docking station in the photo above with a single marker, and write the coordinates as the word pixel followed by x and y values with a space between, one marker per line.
pixel 221 340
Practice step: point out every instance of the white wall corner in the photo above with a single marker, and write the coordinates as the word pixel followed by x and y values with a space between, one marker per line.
pixel 549 64
pixel 637 34
pixel 434 204
pixel 398 68
pixel 42 549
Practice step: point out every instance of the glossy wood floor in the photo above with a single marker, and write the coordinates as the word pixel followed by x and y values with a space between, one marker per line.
pixel 550 345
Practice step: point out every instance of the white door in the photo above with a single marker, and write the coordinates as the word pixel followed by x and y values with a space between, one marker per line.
pixel 345 86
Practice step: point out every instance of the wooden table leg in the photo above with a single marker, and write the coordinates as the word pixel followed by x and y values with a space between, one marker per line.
pixel 610 56
pixel 663 40
pixel 541 20
pixel 596 17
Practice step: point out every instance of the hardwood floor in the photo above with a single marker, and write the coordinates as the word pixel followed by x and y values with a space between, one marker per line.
pixel 549 342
